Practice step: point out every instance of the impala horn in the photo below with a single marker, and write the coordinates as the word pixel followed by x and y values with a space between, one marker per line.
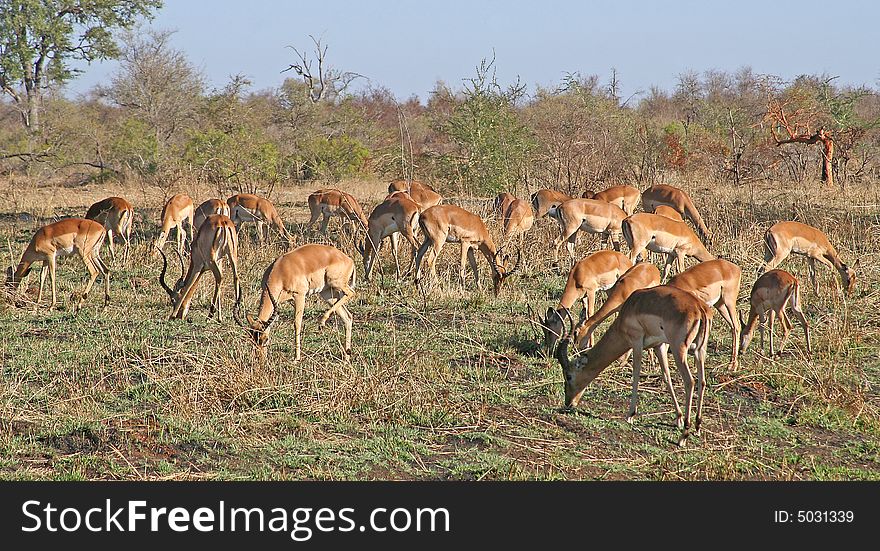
pixel 169 290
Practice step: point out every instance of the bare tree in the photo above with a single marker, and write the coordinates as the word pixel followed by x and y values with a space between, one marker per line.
pixel 323 82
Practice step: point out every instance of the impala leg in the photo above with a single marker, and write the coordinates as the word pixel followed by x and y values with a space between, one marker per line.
pixel 637 367
pixel 186 295
pixel 342 313
pixel 796 308
pixel 324 223
pixel 728 312
pixel 680 355
pixel 93 275
pixel 570 243
pixel 419 256
pixel 670 258
pixel 112 246
pixel 661 352
pixel 772 316
pixel 299 302
pixel 462 268
pixel 160 242
pixel 105 273
pixel 395 242
pixel 700 360
pixel 43 273
pixel 786 328
pixel 812 265
pixel 762 324
pixel 215 300
pixel 472 260
pixel 126 236
pixel 52 264
pixel 347 294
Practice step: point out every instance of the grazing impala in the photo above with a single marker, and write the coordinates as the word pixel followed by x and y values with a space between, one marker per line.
pixel 502 201
pixel 63 238
pixel 662 318
pixel 421 193
pixel 215 241
pixel 518 219
pixel 599 271
pixel 640 276
pixel 209 207
pixel 452 223
pixel 304 271
pixel 659 234
pixel 177 210
pixel 330 202
pixel 546 200
pixel 116 215
pixel 397 214
pixel 624 197
pixel 668 212
pixel 784 238
pixel 246 207
pixel 772 292
pixel 716 283
pixel 661 194
pixel 589 215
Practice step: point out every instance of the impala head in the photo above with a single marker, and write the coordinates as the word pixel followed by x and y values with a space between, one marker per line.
pixel 745 335
pixel 503 270
pixel 174 293
pixel 588 195
pixel 553 327
pixel 257 329
pixel 849 277
pixel 577 373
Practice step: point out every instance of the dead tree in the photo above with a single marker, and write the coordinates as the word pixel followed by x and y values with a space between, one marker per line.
pixel 323 82
pixel 798 125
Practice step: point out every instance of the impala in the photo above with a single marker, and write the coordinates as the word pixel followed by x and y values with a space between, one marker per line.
pixel 589 215
pixel 546 200
pixel 662 318
pixel 397 214
pixel 177 210
pixel 330 202
pixel 668 212
pixel 772 292
pixel 518 219
pixel 420 192
pixel 63 238
pixel 304 271
pixel 452 223
pixel 209 207
pixel 215 241
pixel 116 215
pixel 246 207
pixel 624 197
pixel 599 271
pixel 716 283
pixel 660 234
pixel 502 201
pixel 784 238
pixel 640 276
pixel 661 194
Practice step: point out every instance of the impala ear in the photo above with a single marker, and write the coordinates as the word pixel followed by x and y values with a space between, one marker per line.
pixel 251 320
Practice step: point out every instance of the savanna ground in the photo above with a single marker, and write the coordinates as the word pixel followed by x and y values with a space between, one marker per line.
pixel 448 386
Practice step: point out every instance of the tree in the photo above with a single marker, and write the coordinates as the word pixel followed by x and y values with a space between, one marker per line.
pixel 323 82
pixel 39 39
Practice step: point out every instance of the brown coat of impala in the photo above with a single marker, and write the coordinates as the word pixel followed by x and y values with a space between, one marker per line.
pixel 246 207
pixel 216 240
pixel 65 237
pixel 304 271
pixel 545 200
pixel 451 223
pixel 420 192
pixel 624 197
pixel 397 215
pixel 597 272
pixel 501 202
pixel 716 283
pixel 668 212
pixel 517 220
pixel 333 202
pixel 784 238
pixel 660 234
pixel 207 208
pixel 662 194
pixel 772 292
pixel 117 216
pixel 177 211
pixel 589 215
pixel 664 318
pixel 640 276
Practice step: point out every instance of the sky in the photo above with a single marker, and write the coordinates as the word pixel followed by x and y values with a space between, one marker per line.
pixel 409 46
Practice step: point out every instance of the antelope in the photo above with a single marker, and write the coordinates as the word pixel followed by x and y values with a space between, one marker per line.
pixel 625 197
pixel 304 271
pixel 451 223
pixel 662 194
pixel 546 200
pixel 668 212
pixel 599 271
pixel 215 241
pixel 661 318
pixel 65 237
pixel 420 192
pixel 589 215
pixel 716 283
pixel 116 215
pixel 246 207
pixel 329 202
pixel 772 292
pixel 177 210
pixel 784 238
pixel 518 219
pixel 397 214
pixel 660 234
pixel 502 201
pixel 639 276
pixel 209 207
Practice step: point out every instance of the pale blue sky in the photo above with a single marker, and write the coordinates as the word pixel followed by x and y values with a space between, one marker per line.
pixel 408 46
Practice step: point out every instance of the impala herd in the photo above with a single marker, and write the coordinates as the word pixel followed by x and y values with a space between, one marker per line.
pixel 654 311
